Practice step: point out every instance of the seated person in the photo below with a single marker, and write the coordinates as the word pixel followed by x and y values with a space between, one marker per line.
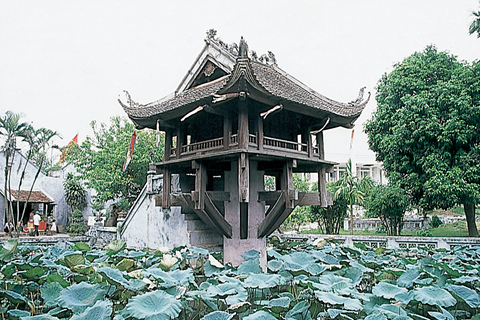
pixel 8 227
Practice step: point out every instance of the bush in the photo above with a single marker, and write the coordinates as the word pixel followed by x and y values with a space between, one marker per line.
pixel 330 219
pixel 424 233
pixel 435 222
pixel 77 226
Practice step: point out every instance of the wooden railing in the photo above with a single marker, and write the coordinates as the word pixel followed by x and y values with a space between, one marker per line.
pixel 284 144
pixel 212 144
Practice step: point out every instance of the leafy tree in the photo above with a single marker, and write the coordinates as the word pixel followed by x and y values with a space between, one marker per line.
pixel 11 128
pixel 330 219
pixel 99 159
pixel 389 203
pixel 75 193
pixel 301 214
pixel 77 226
pixel 351 188
pixel 475 25
pixel 426 130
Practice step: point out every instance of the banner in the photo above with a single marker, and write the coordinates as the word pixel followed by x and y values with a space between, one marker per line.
pixel 130 150
pixel 64 155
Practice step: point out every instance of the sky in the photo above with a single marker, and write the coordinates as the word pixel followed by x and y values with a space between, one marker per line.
pixel 64 64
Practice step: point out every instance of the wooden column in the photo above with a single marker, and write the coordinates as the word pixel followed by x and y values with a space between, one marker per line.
pixel 321 147
pixel 180 139
pixel 227 129
pixel 198 195
pixel 167 188
pixel 243 178
pixel 260 133
pixel 242 124
pixel 322 186
pixel 309 141
pixel 168 144
pixel 287 183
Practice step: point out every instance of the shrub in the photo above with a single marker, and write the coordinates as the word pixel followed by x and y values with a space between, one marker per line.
pixel 435 222
pixel 77 226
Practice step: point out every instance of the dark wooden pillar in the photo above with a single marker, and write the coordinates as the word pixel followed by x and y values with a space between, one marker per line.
pixel 242 124
pixel 227 130
pixel 243 178
pixel 180 139
pixel 322 186
pixel 321 147
pixel 286 183
pixel 260 132
pixel 168 144
pixel 167 188
pixel 200 184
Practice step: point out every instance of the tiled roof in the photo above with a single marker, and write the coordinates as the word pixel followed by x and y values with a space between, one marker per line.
pixel 35 197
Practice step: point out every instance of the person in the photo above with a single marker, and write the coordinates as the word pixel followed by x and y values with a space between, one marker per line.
pixel 36 222
pixel 8 227
pixel 53 229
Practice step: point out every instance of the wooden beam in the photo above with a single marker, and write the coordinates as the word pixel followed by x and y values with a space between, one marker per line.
pixel 168 144
pixel 242 124
pixel 200 184
pixel 180 138
pixel 321 146
pixel 260 132
pixel 219 195
pixel 322 187
pixel 167 188
pixel 243 178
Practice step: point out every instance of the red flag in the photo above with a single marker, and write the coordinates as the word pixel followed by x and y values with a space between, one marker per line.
pixel 64 152
pixel 133 140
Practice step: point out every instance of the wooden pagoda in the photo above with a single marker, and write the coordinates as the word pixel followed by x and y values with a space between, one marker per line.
pixel 233 120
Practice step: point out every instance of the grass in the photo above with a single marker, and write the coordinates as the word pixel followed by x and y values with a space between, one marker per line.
pixel 455 229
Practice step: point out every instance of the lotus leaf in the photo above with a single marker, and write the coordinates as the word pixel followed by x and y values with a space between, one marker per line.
pixel 387 291
pixel 125 265
pixel 81 246
pixel 172 278
pixel 300 308
pixel 74 259
pixel 7 249
pixel 354 274
pixel 85 270
pixel 218 315
pixel 335 282
pixel 240 307
pixel 116 246
pixel 251 254
pixel 249 266
pixel 13 297
pixel 101 310
pixel 262 281
pixel 15 313
pixel 376 316
pixel 274 265
pixel 333 313
pixel 34 273
pixel 55 277
pixel 434 296
pixel 466 279
pixel 390 311
pixel 79 297
pixel 405 297
pixel 155 305
pixel 211 270
pixel 40 317
pixel 113 276
pixel 334 299
pixel 466 294
pixel 260 315
pixel 195 252
pixel 407 278
pixel 279 304
pixel 444 315
pixel 50 292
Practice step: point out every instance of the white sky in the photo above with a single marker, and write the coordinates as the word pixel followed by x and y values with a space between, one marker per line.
pixel 65 63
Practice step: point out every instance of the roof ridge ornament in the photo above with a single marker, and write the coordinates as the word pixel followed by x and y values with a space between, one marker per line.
pixel 359 101
pixel 243 48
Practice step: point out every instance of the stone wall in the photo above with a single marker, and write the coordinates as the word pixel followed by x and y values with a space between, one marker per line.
pixel 410 224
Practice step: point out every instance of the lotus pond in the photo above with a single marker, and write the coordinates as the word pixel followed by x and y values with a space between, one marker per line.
pixel 304 280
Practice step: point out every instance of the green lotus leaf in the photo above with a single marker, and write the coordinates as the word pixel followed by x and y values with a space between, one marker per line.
pixel 13 297
pixel 137 254
pixel 391 311
pixel 444 315
pixel 466 279
pixel 297 261
pixel 113 276
pixel 262 281
pixel 333 313
pixel 115 247
pixel 16 314
pixel 34 273
pixel 172 278
pixel 7 249
pixel 218 315
pixel 434 296
pixel 405 297
pixel 40 317
pixel 9 269
pixel 155 305
pixel 55 277
pixel 386 290
pixel 136 285
pixel 335 282
pixel 355 264
pixel 195 252
pixel 249 266
pixel 466 294
pixel 81 246
pixel 125 265
pixel 211 270
pixel 274 265
pixel 82 269
pixel 50 292
pixel 334 299
pixel 376 316
pixel 279 304
pixel 300 309
pixel 452 271
pixel 251 254
pixel 352 250
pixel 260 315
pixel 74 259
pixel 408 277
pixel 101 310
pixel 354 274
pixel 79 297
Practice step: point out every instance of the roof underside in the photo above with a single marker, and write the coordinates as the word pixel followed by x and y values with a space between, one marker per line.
pixel 265 83
pixel 35 197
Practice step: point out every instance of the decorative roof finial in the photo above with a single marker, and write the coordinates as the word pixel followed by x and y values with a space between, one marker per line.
pixel 243 49
pixel 211 33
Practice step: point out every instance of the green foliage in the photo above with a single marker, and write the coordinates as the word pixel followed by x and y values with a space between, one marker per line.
pixel 75 193
pixel 475 24
pixel 305 281
pixel 301 214
pixel 77 225
pixel 435 222
pixel 425 130
pixel 100 159
pixel 389 203
pixel 330 219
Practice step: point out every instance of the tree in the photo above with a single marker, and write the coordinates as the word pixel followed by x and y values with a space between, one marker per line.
pixel 330 219
pixel 389 203
pixel 11 128
pixel 426 130
pixel 75 193
pixel 99 159
pixel 351 188
pixel 475 25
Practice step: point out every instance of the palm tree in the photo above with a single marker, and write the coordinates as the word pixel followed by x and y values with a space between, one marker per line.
pixel 11 128
pixel 352 188
pixel 475 25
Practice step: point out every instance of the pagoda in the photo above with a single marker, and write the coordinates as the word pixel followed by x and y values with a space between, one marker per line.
pixel 234 120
